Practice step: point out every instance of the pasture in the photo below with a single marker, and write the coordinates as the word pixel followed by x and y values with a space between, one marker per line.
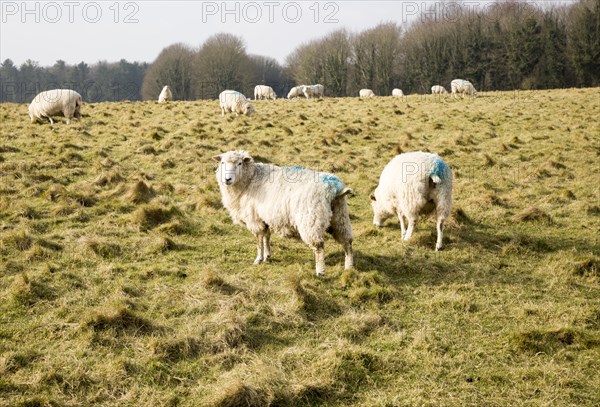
pixel 123 281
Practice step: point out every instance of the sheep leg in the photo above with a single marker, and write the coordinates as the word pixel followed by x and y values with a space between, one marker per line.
pixel 319 250
pixel 348 260
pixel 402 225
pixel 440 233
pixel 260 249
pixel 267 246
pixel 411 226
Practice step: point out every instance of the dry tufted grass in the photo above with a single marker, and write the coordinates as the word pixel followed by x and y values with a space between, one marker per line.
pixel 124 282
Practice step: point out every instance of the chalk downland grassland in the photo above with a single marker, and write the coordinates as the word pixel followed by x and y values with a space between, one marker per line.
pixel 124 282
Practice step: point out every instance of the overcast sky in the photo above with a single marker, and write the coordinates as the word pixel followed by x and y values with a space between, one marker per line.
pixel 90 31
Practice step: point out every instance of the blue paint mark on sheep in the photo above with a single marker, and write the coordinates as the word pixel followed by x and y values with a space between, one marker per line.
pixel 334 185
pixel 439 170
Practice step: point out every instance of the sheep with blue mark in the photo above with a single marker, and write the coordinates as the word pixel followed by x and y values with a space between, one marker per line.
pixel 288 201
pixel 412 183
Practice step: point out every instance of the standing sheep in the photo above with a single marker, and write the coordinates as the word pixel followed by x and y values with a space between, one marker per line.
pixel 398 93
pixel 56 102
pixel 232 101
pixel 289 201
pixel 438 90
pixel 315 91
pixel 165 95
pixel 463 87
pixel 407 184
pixel 366 93
pixel 264 92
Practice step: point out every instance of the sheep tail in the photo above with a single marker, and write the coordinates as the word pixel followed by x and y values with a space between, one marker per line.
pixel 345 191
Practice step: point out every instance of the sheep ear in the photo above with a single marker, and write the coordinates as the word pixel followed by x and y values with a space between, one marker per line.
pixel 372 196
pixel 248 159
pixel 217 158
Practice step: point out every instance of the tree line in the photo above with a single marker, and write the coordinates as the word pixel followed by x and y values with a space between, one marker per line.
pixel 100 82
pixel 508 45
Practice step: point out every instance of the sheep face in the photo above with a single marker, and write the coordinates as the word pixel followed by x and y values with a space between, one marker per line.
pixel 380 213
pixel 231 166
pixel 248 109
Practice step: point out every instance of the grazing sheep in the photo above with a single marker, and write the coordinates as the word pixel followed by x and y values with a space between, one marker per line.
pixel 407 184
pixel 56 102
pixel 232 101
pixel 463 87
pixel 165 95
pixel 289 201
pixel 296 92
pixel 438 90
pixel 264 92
pixel 315 91
pixel 397 92
pixel 366 93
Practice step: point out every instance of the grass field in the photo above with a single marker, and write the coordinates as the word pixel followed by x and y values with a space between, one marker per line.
pixel 123 282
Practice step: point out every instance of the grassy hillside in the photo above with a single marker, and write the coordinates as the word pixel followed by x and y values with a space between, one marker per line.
pixel 124 282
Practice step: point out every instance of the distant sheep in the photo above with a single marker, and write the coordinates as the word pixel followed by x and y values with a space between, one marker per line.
pixel 235 102
pixel 438 90
pixel 366 93
pixel 165 95
pixel 407 184
pixel 289 201
pixel 296 91
pixel 463 87
pixel 56 102
pixel 264 92
pixel 398 93
pixel 313 91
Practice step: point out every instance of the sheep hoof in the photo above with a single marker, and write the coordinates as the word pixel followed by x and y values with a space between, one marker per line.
pixel 258 260
pixel 320 273
pixel 438 248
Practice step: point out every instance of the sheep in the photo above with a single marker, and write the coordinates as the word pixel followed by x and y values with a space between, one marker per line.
pixel 165 95
pixel 288 201
pixel 264 92
pixel 463 87
pixel 296 91
pixel 366 93
pixel 56 102
pixel 407 184
pixel 232 101
pixel 397 92
pixel 314 91
pixel 438 90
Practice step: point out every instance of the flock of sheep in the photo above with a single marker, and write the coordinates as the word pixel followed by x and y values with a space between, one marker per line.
pixel 300 202
pixel 235 102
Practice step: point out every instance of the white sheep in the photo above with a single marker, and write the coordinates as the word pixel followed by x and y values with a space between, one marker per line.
pixel 366 93
pixel 398 93
pixel 264 92
pixel 438 90
pixel 463 87
pixel 233 101
pixel 407 184
pixel 315 91
pixel 289 201
pixel 296 91
pixel 56 102
pixel 165 95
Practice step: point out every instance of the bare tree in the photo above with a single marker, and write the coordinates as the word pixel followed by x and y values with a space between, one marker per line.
pixel 221 63
pixel 173 67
